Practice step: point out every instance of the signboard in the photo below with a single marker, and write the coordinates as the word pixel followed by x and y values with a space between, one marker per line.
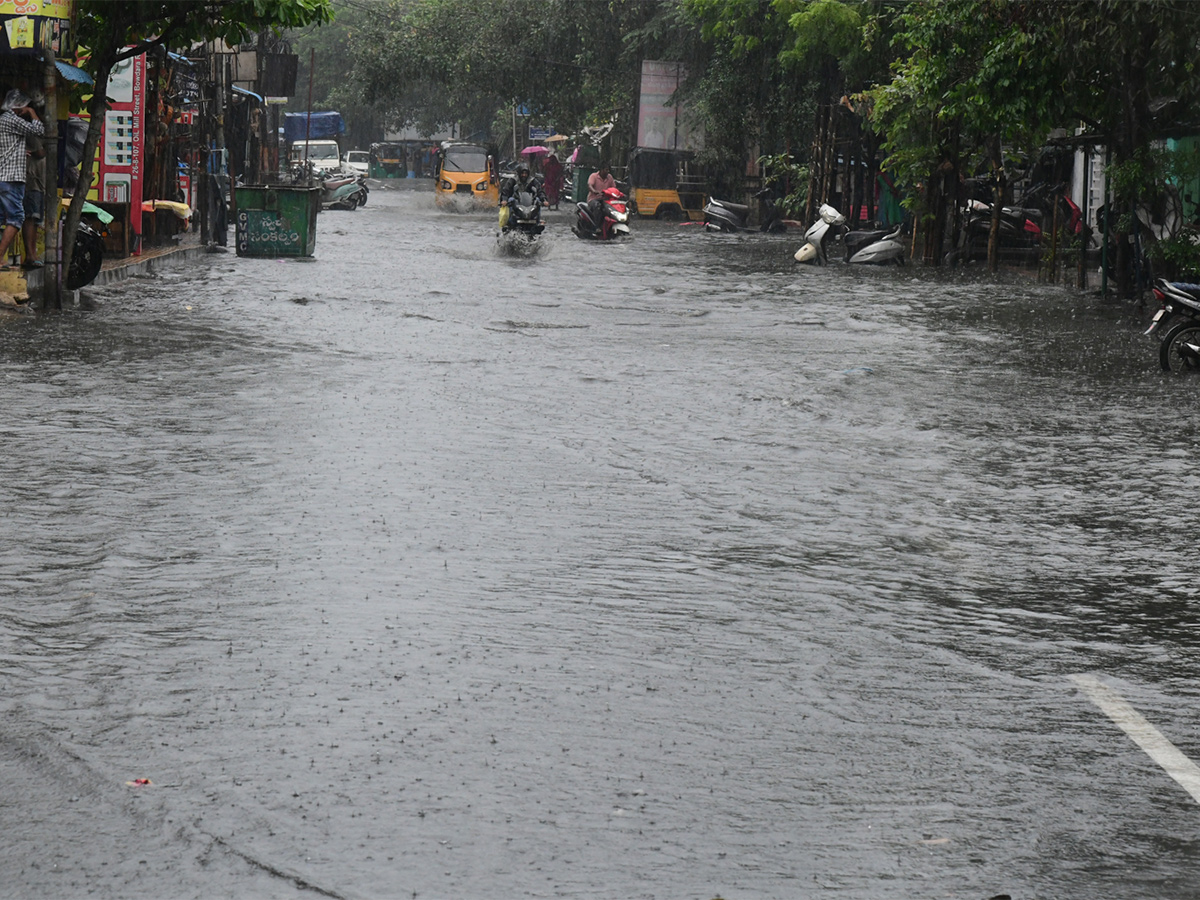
pixel 119 156
pixel 662 123
pixel 27 24
pixel 52 9
pixel 540 132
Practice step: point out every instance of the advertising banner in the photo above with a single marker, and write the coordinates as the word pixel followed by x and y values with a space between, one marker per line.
pixel 119 155
pixel 28 23
pixel 662 123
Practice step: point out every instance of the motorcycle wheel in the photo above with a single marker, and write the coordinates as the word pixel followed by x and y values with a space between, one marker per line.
pixel 352 202
pixel 86 259
pixel 1180 349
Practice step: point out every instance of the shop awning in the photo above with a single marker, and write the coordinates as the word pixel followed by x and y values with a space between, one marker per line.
pixel 72 73
pixel 238 90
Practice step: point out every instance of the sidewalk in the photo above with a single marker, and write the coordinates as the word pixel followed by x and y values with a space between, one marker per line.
pixel 17 286
pixel 151 259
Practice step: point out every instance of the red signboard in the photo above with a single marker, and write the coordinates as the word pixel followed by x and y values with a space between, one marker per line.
pixel 119 157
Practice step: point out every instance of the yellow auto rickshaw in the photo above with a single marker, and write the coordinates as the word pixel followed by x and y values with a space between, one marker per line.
pixel 466 176
pixel 665 184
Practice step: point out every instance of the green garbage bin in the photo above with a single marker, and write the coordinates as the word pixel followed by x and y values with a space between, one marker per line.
pixel 579 183
pixel 276 221
pixel 587 161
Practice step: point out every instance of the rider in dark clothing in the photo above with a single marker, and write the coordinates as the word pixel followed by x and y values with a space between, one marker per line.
pixel 523 182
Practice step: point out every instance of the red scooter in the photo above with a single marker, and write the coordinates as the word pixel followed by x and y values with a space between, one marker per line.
pixel 612 213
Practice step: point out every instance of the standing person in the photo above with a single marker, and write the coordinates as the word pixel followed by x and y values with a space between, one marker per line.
pixel 35 187
pixel 553 180
pixel 18 121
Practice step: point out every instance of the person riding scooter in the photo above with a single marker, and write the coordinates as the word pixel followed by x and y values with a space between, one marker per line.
pixel 524 182
pixel 598 182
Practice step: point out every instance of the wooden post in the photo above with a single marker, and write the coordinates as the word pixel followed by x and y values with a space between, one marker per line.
pixel 52 280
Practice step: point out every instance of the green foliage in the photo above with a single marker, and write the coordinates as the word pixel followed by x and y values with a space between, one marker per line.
pixel 822 30
pixel 974 79
pixel 113 31
pixel 782 170
pixel 433 62
pixel 1177 258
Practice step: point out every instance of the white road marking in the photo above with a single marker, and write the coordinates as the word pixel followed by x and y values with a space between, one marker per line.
pixel 1145 735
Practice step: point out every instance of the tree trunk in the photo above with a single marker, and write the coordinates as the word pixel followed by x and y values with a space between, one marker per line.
pixel 998 189
pixel 97 106
pixel 51 213
pixel 814 174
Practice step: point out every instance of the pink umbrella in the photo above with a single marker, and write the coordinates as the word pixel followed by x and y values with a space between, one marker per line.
pixel 535 151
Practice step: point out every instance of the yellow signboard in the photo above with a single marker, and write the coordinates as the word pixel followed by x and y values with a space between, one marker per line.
pixel 51 9
pixel 20 32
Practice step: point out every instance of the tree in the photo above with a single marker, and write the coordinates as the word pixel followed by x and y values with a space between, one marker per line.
pixel 747 94
pixel 978 78
pixel 1128 71
pixel 775 67
pixel 111 32
pixel 328 46
pixel 432 63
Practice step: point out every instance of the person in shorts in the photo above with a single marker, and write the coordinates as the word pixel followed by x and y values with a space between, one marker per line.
pixel 18 121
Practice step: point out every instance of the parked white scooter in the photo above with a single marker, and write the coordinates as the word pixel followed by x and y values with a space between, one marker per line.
pixel 874 247
pixel 829 222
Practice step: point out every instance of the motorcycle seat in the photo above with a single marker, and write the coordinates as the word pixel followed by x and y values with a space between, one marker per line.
pixel 735 208
pixel 856 240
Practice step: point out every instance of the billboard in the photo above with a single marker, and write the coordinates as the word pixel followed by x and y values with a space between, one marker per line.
pixel 119 156
pixel 27 24
pixel 662 122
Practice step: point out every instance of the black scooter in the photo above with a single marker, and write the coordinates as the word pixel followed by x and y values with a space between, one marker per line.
pixel 723 215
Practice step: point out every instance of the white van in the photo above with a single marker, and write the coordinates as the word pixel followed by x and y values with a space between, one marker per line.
pixel 325 155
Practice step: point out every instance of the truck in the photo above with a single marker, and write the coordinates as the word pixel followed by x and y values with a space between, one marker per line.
pixel 314 136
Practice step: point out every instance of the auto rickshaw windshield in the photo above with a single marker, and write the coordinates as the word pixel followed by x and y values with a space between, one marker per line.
pixel 465 159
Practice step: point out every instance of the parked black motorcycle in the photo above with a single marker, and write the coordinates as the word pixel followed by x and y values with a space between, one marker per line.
pixel 1180 348
pixel 1179 301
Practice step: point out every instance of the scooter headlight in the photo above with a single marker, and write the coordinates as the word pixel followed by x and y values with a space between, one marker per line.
pixel 620 216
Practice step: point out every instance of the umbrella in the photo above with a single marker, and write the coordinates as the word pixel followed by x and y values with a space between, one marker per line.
pixel 557 139
pixel 534 151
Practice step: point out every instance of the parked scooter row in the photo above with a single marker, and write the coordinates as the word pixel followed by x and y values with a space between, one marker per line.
pixel 876 247
pixel 343 190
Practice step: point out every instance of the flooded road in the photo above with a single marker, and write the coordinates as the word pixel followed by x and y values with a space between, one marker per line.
pixel 661 570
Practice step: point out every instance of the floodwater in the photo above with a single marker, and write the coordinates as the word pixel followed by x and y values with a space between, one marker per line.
pixel 658 570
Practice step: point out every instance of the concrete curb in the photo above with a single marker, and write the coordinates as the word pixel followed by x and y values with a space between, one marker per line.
pixel 134 266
